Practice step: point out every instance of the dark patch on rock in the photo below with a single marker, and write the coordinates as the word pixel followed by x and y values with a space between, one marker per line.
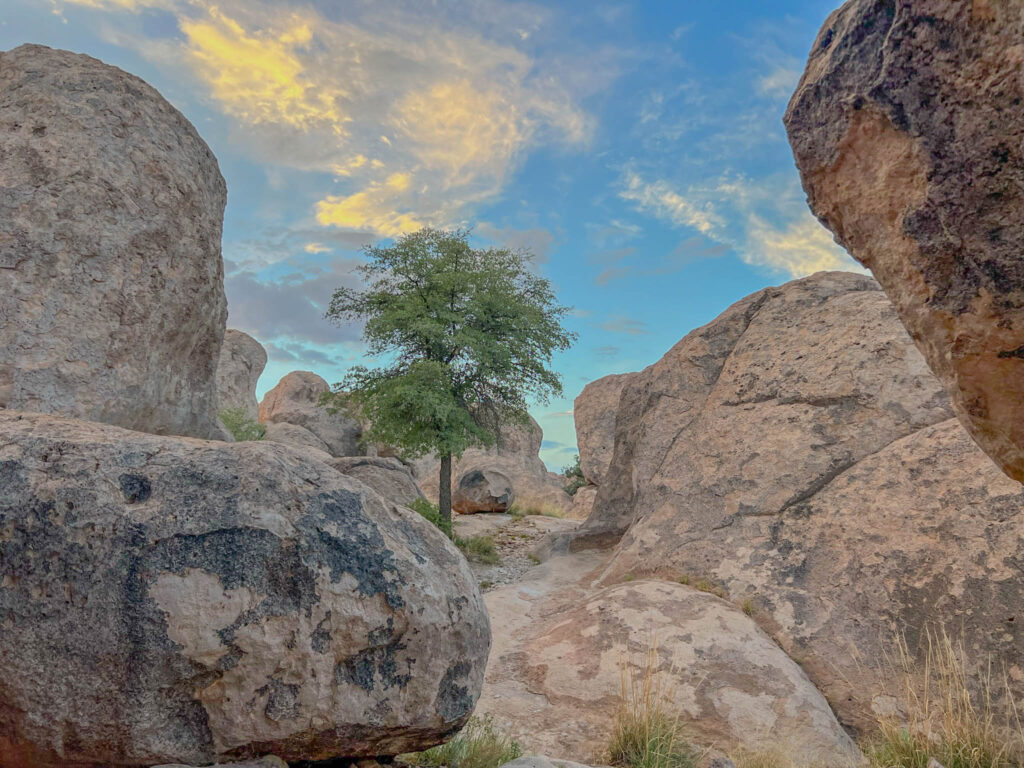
pixel 134 488
pixel 454 700
pixel 281 700
pixel 376 662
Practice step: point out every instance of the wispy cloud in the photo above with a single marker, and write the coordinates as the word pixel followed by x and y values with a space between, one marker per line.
pixel 625 325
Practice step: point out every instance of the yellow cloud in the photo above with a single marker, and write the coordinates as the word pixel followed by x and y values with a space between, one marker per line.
pixel 260 77
pixel 372 209
pixel 801 248
pixel 316 248
pixel 664 201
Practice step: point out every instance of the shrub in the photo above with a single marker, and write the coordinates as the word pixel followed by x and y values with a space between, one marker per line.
pixel 540 508
pixel 430 511
pixel 647 733
pixel 574 474
pixel 479 548
pixel 478 745
pixel 241 425
pixel 945 717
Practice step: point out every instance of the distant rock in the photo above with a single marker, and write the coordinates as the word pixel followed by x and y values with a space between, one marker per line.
pixel 555 680
pixel 387 476
pixel 583 502
pixel 594 413
pixel 482 490
pixel 175 600
pixel 297 437
pixel 296 400
pixel 517 456
pixel 907 129
pixel 112 300
pixel 242 360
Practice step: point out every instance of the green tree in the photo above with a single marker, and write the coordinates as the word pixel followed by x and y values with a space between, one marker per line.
pixel 465 338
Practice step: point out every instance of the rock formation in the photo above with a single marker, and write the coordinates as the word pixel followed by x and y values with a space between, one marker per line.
pixel 517 456
pixel 296 400
pixel 242 360
pixel 594 413
pixel 297 437
pixel 387 476
pixel 798 453
pixel 110 229
pixel 555 677
pixel 172 600
pixel 907 129
pixel 483 490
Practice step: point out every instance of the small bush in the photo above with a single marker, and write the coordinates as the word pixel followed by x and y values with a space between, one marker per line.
pixel 479 548
pixel 574 474
pixel 946 718
pixel 241 426
pixel 478 745
pixel 433 514
pixel 647 733
pixel 539 508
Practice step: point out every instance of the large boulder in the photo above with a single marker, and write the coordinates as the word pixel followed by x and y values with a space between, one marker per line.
pixel 296 400
pixel 483 490
pixel 907 128
pixel 172 600
pixel 594 413
pixel 562 659
pixel 517 456
pixel 386 475
pixel 242 360
pixel 760 408
pixel 297 437
pixel 110 230
pixel 926 531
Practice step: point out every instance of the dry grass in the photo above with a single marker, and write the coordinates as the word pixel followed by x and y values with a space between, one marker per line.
pixel 530 507
pixel 648 733
pixel 946 717
pixel 480 549
pixel 478 745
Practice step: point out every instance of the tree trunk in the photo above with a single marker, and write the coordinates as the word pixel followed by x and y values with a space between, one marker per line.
pixel 444 501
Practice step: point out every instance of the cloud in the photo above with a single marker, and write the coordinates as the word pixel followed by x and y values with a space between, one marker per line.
pixel 445 99
pixel 780 83
pixel 660 198
pixel 624 325
pixel 607 350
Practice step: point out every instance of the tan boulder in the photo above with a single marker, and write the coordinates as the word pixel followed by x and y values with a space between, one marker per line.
pixel 175 600
pixel 242 360
pixel 296 400
pixel 110 230
pixel 908 130
pixel 923 533
pixel 517 456
pixel 483 490
pixel 297 437
pixel 562 650
pixel 387 476
pixel 594 412
pixel 583 502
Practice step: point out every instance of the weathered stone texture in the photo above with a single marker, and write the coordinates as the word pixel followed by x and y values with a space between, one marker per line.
pixel 296 400
pixel 242 360
pixel 594 412
pixel 908 130
pixel 387 476
pixel 173 600
pixel 111 208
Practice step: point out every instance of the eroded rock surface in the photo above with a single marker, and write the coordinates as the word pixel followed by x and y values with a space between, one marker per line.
pixel 387 476
pixel 110 230
pixel 594 412
pixel 242 360
pixel 296 400
pixel 173 600
pixel 907 128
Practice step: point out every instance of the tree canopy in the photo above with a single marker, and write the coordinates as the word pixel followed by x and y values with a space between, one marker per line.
pixel 465 337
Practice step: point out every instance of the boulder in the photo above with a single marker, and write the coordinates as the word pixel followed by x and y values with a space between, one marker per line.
pixel 173 600
pixel 483 490
pixel 562 660
pixel 387 476
pixel 925 531
pixel 242 360
pixel 583 502
pixel 298 437
pixel 110 231
pixel 517 456
pixel 594 413
pixel 296 400
pixel 908 130
pixel 760 408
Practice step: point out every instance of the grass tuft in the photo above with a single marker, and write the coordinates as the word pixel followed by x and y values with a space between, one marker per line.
pixel 241 426
pixel 541 508
pixel 480 549
pixel 478 745
pixel 647 732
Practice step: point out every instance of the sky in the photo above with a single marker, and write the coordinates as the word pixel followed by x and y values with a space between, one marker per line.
pixel 636 149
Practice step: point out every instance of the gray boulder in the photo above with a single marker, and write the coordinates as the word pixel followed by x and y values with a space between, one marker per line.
pixel 296 400
pixel 110 230
pixel 387 476
pixel 242 360
pixel 173 600
pixel 483 490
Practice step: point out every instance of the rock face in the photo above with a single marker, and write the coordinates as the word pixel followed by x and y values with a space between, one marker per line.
pixel 297 437
pixel 517 457
pixel 387 476
pixel 296 400
pixel 594 413
pixel 818 371
pixel 555 679
pixel 483 490
pixel 110 230
pixel 907 129
pixel 242 360
pixel 172 600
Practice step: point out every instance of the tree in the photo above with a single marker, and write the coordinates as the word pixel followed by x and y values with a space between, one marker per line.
pixel 465 337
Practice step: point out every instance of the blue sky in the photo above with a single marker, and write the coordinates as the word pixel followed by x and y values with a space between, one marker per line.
pixel 636 148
